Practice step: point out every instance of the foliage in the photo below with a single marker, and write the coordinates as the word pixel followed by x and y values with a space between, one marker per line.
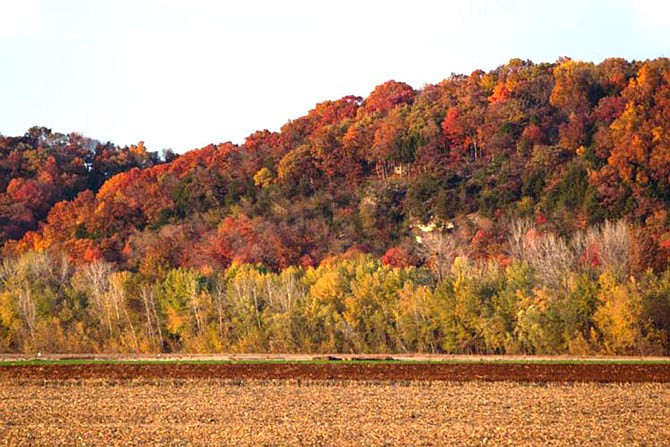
pixel 543 191
pixel 353 303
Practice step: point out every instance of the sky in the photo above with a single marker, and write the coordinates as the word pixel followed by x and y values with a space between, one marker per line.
pixel 182 74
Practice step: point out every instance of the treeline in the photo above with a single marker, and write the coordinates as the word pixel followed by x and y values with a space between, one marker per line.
pixel 553 295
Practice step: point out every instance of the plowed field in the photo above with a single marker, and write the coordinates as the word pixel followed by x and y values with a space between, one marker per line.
pixel 334 404
pixel 484 371
pixel 331 413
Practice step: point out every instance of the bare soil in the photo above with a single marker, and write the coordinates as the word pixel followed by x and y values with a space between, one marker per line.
pixel 177 412
pixel 366 371
pixel 335 403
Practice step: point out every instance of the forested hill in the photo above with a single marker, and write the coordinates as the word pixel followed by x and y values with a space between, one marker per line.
pixel 521 210
pixel 42 168
pixel 568 144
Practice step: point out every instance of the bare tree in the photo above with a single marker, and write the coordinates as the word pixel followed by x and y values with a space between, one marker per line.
pixel 28 311
pixel 195 301
pixel 551 258
pixel 518 232
pixel 219 298
pixel 153 323
pixel 117 296
pixel 617 242
pixel 283 290
pixel 440 249
pixel 606 247
pixel 94 279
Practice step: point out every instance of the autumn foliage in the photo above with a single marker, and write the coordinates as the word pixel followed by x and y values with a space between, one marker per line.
pixel 566 147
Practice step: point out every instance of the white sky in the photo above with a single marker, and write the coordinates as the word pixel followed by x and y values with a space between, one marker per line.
pixel 182 74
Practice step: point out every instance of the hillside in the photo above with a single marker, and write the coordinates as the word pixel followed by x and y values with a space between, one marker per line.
pixel 555 168
pixel 571 142
pixel 42 168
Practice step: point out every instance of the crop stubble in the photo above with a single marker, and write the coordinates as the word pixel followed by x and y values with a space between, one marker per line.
pixel 289 412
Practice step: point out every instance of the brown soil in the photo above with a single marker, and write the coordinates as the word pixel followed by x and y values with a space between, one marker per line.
pixel 487 372
pixel 167 412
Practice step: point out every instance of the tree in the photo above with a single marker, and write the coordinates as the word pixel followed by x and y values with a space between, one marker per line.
pixel 181 301
pixel 618 318
pixel 387 96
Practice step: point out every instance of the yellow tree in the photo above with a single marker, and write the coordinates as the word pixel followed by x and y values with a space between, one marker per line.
pixel 619 317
